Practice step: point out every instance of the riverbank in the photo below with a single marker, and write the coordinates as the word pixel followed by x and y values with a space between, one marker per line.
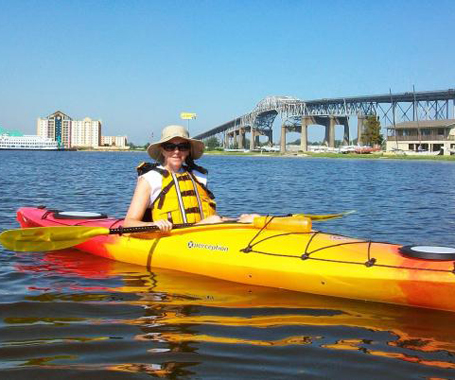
pixel 370 156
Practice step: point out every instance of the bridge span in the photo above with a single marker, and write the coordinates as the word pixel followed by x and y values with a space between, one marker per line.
pixel 296 115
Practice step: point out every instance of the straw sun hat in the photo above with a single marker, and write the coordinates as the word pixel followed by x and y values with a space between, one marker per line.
pixel 168 133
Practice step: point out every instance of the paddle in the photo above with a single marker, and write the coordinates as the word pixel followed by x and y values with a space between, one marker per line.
pixel 322 217
pixel 38 239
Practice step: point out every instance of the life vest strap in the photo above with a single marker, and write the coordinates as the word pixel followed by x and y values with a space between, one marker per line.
pixel 145 167
pixel 163 193
pixel 181 204
pixel 192 210
pixel 187 193
pixel 184 177
pixel 210 194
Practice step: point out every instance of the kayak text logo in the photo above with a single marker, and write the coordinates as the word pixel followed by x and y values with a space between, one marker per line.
pixel 210 247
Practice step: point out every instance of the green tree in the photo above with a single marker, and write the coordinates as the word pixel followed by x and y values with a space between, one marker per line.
pixel 212 143
pixel 134 146
pixel 295 142
pixel 372 132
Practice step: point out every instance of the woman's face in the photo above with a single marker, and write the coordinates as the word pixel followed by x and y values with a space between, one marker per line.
pixel 175 151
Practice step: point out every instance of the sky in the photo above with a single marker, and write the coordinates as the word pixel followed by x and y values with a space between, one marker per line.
pixel 136 65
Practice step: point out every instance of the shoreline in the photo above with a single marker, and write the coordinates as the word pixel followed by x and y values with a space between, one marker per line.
pixel 353 156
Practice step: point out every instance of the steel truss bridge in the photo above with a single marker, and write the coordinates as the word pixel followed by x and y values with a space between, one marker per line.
pixel 296 115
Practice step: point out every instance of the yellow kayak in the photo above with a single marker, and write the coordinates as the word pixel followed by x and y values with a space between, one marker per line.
pixel 296 259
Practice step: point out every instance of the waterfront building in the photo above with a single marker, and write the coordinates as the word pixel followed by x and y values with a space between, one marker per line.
pixel 424 135
pixel 114 141
pixel 57 127
pixel 70 133
pixel 86 133
pixel 17 141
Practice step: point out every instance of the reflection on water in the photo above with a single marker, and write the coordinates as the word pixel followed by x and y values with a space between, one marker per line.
pixel 172 324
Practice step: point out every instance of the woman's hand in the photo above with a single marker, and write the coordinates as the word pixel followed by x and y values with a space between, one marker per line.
pixel 244 218
pixel 163 225
pixel 247 218
pixel 211 220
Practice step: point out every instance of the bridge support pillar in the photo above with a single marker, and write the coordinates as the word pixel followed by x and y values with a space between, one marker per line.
pixel 283 139
pixel 345 124
pixel 241 139
pixel 306 121
pixel 252 139
pixel 327 132
pixel 270 137
pixel 231 139
pixel 332 123
pixel 360 122
pixel 225 140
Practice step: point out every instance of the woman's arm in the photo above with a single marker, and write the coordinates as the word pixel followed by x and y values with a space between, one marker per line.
pixel 139 205
pixel 244 218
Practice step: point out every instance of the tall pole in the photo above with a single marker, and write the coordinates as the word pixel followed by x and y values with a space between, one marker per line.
pixel 416 118
pixel 393 119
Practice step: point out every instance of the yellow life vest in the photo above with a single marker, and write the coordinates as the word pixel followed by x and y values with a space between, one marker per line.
pixel 183 199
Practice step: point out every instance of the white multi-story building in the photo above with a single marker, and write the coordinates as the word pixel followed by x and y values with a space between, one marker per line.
pixel 70 133
pixel 86 133
pixel 114 141
pixel 57 127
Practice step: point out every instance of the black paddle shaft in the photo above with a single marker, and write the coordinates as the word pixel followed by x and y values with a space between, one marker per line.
pixel 130 230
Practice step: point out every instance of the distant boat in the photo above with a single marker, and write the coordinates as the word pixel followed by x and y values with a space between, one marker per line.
pixel 27 142
pixel 318 148
pixel 365 149
pixel 348 149
pixel 270 148
pixel 237 150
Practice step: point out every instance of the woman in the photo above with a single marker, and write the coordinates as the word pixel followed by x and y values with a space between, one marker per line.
pixel 174 191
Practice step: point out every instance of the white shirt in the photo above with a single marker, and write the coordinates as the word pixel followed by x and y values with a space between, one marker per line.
pixel 155 181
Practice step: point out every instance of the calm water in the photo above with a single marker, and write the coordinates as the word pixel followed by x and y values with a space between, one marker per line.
pixel 66 314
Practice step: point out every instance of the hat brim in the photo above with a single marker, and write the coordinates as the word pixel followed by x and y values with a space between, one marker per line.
pixel 197 148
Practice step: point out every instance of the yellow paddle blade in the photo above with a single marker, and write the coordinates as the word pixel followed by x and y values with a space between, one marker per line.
pixel 39 239
pixel 322 217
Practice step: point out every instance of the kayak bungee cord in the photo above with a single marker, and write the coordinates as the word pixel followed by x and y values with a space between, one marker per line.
pixel 306 255
pixel 249 246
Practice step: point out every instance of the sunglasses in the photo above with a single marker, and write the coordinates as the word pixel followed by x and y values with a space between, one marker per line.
pixel 182 147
